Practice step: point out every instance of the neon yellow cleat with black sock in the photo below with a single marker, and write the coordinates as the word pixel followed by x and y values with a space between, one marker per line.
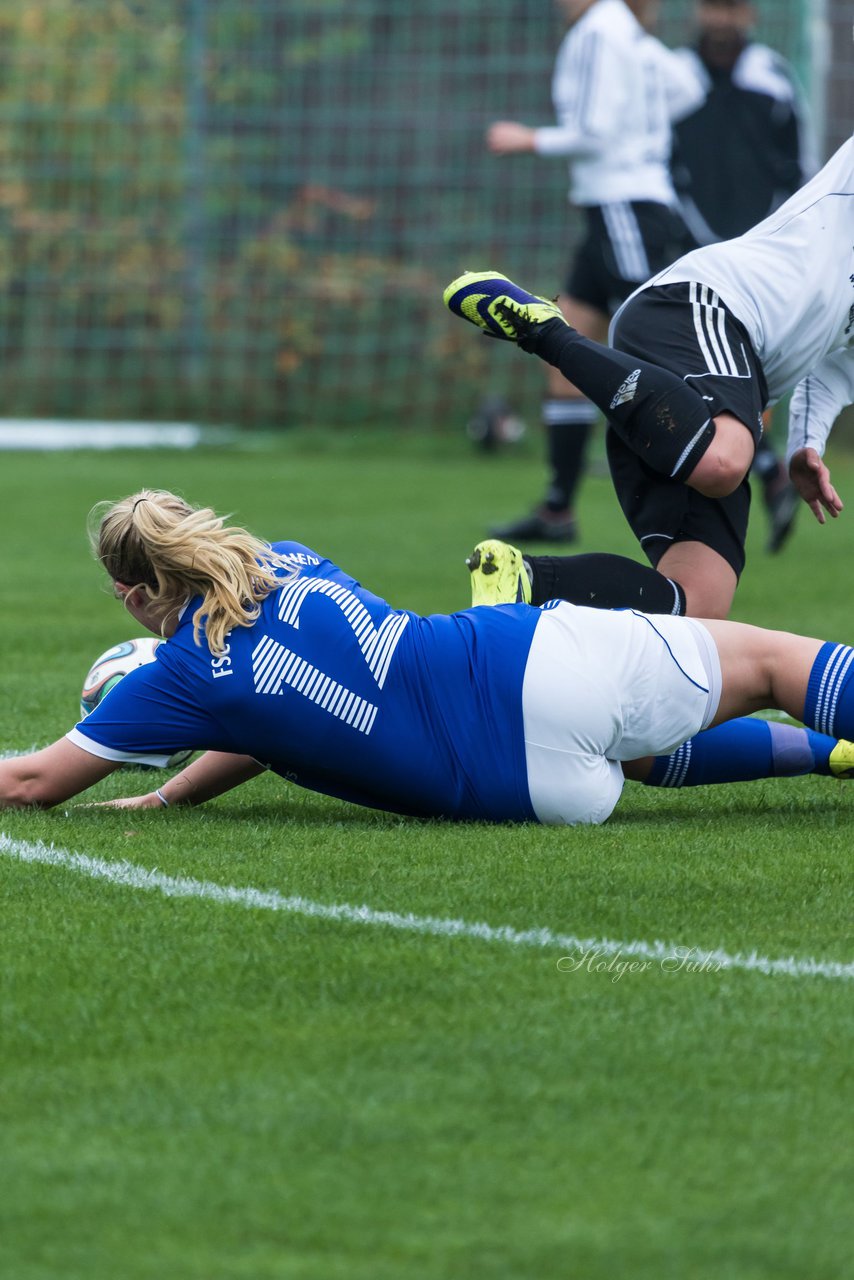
pixel 499 307
pixel 498 574
pixel 841 760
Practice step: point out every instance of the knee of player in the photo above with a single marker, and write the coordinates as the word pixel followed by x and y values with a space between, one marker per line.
pixel 718 473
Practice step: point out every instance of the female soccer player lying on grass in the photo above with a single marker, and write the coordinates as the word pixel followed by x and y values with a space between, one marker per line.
pixel 278 659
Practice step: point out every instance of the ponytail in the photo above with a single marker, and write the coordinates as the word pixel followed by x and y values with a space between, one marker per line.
pixel 157 540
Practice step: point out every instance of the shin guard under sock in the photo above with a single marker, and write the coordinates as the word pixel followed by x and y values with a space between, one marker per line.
pixel 742 751
pixel 653 411
pixel 829 704
pixel 603 581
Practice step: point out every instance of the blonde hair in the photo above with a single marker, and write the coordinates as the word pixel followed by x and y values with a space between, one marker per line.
pixel 157 540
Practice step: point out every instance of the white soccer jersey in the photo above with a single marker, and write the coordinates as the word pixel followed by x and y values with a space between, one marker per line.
pixel 790 281
pixel 613 90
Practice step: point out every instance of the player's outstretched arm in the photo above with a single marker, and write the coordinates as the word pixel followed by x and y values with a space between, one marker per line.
pixel 211 775
pixel 811 478
pixel 49 776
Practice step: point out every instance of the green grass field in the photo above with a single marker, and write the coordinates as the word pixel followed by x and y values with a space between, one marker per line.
pixel 199 1090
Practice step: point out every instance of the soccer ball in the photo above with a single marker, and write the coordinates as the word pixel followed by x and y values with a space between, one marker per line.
pixel 106 672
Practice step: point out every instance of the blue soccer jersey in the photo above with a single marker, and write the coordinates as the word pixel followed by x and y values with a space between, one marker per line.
pixel 336 691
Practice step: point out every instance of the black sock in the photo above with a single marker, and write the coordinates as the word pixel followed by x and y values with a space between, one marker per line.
pixel 603 581
pixel 568 426
pixel 766 464
pixel 652 410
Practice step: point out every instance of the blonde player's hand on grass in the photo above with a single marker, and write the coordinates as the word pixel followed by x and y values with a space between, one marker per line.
pixel 811 478
pixel 149 801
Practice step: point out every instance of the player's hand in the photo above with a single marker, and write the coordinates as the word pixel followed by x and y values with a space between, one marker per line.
pixel 149 801
pixel 506 136
pixel 811 478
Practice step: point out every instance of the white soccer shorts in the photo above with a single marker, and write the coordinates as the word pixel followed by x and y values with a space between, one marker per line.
pixel 605 685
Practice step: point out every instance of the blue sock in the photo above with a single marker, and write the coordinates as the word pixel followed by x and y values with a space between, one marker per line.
pixel 829 705
pixel 742 751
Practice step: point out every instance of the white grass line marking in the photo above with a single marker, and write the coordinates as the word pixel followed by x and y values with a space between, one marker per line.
pixel 133 876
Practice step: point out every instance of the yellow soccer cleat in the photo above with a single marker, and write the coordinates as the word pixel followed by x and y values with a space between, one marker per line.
pixel 841 759
pixel 498 574
pixel 499 307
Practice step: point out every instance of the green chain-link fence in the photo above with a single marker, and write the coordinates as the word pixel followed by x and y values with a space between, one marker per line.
pixel 245 212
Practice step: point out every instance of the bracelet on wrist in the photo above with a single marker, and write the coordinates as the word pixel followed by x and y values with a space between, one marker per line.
pixel 161 797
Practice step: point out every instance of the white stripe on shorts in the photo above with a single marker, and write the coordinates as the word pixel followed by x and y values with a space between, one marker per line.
pixel 710 328
pixel 626 240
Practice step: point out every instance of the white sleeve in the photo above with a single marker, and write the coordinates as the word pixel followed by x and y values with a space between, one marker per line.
pixel 681 77
pixel 818 400
pixel 586 100
pixel 564 140
pixel 151 759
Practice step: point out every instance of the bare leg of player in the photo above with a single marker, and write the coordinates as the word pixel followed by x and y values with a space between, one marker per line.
pixel 761 669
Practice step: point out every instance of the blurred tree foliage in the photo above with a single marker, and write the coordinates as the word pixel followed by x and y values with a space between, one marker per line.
pixel 245 211
pixel 154 212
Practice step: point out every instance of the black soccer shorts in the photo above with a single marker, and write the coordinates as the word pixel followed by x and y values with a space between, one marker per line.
pixel 687 329
pixel 625 243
